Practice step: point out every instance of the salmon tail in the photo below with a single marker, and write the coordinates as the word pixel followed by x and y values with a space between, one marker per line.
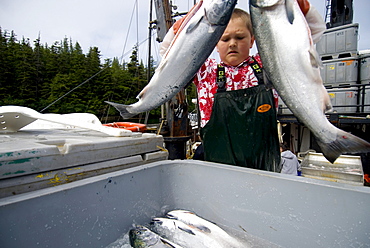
pixel 344 143
pixel 123 109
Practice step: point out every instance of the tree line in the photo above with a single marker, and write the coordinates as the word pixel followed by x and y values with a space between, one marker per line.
pixel 37 75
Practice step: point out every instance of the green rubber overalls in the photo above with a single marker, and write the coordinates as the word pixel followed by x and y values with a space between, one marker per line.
pixel 242 129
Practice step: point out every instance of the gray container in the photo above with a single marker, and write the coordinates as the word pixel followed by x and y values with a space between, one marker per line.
pixel 286 210
pixel 283 108
pixel 38 158
pixel 339 41
pixel 346 169
pixel 36 151
pixel 341 12
pixel 365 98
pixel 365 68
pixel 344 100
pixel 340 71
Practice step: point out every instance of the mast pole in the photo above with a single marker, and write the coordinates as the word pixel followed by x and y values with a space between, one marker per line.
pixel 176 108
pixel 150 38
pixel 149 50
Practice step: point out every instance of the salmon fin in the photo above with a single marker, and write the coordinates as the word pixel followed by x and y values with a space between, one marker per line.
pixel 193 24
pixel 123 109
pixel 162 64
pixel 344 143
pixel 168 243
pixel 211 29
pixel 190 14
pixel 328 107
pixel 203 228
pixel 266 79
pixel 289 7
pixel 142 93
pixel 314 58
pixel 187 230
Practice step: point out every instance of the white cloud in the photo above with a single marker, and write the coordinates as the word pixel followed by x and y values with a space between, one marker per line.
pixel 106 24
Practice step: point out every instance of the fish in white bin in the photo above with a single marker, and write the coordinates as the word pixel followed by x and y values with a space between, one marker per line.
pixel 142 237
pixel 208 227
pixel 192 45
pixel 182 234
pixel 293 66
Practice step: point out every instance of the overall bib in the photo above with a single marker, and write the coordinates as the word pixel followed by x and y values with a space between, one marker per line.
pixel 242 129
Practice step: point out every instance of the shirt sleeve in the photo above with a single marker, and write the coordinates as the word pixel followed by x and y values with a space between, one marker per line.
pixel 316 24
pixel 166 41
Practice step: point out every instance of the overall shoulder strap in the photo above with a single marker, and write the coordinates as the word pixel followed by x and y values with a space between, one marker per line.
pixel 256 69
pixel 221 78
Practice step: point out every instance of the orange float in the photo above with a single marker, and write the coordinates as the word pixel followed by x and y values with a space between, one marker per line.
pixel 134 127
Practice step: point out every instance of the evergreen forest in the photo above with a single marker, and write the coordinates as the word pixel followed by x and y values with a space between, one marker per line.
pixel 62 79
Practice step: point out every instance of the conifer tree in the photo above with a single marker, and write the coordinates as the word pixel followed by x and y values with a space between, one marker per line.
pixel 62 79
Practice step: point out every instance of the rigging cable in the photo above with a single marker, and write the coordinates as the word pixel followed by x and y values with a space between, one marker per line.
pixel 128 31
pixel 87 80
pixel 137 27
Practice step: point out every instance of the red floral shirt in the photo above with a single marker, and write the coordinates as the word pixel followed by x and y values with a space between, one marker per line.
pixel 237 78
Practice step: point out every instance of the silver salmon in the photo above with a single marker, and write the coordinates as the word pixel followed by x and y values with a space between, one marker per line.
pixel 292 64
pixel 192 45
pixel 207 227
pixel 142 237
pixel 182 234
